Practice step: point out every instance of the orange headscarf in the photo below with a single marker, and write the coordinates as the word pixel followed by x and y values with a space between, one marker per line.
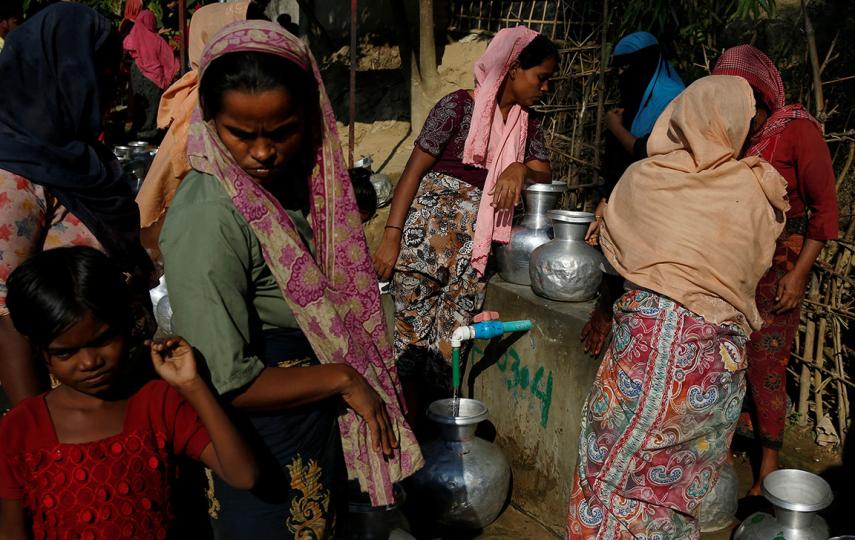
pixel 171 165
pixel 694 222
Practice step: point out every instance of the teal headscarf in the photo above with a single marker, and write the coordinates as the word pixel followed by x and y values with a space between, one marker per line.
pixel 663 86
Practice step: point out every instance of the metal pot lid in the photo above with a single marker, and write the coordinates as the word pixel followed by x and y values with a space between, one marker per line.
pixel 138 144
pixel 796 490
pixel 554 187
pixel 569 216
pixel 469 411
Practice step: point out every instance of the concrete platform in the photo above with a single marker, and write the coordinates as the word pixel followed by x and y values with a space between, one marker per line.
pixel 535 384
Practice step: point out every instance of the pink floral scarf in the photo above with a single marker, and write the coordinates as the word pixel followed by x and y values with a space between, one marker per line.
pixel 482 149
pixel 333 295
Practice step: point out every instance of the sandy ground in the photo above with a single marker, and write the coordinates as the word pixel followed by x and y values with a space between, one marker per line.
pixel 390 142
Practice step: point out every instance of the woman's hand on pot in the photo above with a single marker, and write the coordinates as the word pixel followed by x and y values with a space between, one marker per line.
pixel 509 186
pixel 386 254
pixel 365 402
pixel 592 237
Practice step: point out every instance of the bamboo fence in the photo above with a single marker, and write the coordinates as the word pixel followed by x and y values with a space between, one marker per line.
pixel 823 351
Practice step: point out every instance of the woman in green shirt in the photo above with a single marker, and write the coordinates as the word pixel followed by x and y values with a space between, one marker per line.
pixel 270 277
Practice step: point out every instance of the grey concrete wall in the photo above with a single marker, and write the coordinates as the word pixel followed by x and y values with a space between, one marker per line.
pixel 534 385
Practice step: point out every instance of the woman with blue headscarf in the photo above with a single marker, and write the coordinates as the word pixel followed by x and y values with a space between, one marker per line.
pixel 648 82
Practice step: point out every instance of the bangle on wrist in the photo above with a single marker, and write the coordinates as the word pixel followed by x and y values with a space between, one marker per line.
pixel 394 227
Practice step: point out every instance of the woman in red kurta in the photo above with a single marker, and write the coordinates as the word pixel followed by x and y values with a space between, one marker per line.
pixel 791 140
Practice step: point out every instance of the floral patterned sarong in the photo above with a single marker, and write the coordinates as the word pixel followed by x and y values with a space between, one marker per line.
pixel 657 424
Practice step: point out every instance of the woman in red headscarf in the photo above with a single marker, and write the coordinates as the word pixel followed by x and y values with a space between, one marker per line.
pixel 791 140
pixel 153 71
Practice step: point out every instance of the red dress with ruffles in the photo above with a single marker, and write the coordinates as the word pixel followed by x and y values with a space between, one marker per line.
pixel 118 487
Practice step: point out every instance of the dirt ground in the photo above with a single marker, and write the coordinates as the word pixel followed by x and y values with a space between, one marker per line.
pixel 800 452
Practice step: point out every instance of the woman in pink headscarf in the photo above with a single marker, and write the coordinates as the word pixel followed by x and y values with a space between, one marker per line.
pixel 455 197
pixel 132 11
pixel 153 70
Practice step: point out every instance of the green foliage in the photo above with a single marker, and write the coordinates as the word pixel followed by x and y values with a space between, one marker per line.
pixel 114 9
pixel 754 8
pixel 691 25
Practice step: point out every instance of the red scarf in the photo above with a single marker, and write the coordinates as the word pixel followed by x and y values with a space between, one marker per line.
pixel 752 65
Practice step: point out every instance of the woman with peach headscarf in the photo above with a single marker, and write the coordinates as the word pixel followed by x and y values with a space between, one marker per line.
pixel 692 230
pixel 171 164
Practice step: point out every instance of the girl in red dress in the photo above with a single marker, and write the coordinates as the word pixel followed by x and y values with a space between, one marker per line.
pixel 95 456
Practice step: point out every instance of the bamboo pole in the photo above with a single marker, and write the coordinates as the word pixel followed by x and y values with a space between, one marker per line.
pixel 805 379
pixel 828 372
pixel 819 359
pixel 351 106
pixel 601 82
pixel 816 74
pixel 842 396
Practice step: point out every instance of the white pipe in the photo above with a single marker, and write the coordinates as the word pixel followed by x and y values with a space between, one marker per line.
pixel 461 334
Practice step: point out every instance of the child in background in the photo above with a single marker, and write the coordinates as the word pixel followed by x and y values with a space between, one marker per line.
pixel 95 456
pixel 366 196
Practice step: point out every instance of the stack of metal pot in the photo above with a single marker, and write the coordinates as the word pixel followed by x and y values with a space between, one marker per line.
pixel 135 158
pixel 381 182
pixel 162 309
pixel 535 229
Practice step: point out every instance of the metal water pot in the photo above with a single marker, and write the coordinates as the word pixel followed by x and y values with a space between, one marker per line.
pixel 534 230
pixel 366 522
pixel 797 496
pixel 566 268
pixel 162 308
pixel 718 507
pixel 465 480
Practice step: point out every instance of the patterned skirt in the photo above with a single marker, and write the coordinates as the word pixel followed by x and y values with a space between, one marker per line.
pixel 769 352
pixel 434 285
pixel 657 424
pixel 302 479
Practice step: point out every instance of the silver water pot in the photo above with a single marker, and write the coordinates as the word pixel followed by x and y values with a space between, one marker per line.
pixel 566 268
pixel 465 480
pixel 796 496
pixel 533 230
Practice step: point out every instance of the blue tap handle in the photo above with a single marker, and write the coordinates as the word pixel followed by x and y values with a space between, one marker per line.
pixel 488 329
pixel 491 329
